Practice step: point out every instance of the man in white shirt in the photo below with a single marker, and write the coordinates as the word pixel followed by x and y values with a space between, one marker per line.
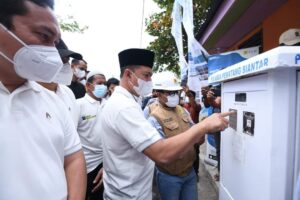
pixel 129 141
pixel 66 74
pixel 41 156
pixel 89 130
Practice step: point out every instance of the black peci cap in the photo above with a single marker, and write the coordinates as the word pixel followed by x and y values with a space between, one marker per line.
pixel 65 52
pixel 136 57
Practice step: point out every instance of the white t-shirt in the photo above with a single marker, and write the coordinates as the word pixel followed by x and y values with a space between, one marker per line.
pixel 36 133
pixel 68 97
pixel 128 173
pixel 89 130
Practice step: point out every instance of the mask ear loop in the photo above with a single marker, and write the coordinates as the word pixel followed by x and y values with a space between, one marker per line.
pixel 13 35
pixel 7 58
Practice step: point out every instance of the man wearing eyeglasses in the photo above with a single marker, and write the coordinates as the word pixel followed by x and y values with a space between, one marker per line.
pixel 177 179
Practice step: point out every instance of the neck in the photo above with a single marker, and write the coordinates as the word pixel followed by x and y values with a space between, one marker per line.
pixel 12 87
pixel 50 86
pixel 9 78
pixel 94 97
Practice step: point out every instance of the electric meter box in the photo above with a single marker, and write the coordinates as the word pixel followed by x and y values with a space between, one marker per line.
pixel 260 149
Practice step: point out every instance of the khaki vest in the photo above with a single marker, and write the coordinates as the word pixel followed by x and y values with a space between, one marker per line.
pixel 174 122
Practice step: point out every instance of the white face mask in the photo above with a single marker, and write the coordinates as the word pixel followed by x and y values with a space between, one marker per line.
pixel 79 73
pixel 35 62
pixel 65 75
pixel 173 101
pixel 144 87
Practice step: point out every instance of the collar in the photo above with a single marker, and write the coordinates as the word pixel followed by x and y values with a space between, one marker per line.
pixel 123 91
pixel 92 100
pixel 28 85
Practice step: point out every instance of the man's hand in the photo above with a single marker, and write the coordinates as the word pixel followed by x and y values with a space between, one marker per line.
pixel 204 91
pixel 98 180
pixel 210 95
pixel 216 122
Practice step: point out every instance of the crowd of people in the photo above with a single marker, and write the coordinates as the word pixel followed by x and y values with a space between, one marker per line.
pixel 69 133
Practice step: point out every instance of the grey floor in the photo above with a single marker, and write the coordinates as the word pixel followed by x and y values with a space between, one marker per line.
pixel 207 189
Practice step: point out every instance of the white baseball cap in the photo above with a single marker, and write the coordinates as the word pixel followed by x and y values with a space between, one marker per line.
pixel 290 37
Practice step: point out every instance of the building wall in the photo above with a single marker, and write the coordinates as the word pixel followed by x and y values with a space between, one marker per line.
pixel 286 17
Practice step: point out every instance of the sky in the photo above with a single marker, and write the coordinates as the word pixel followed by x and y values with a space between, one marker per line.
pixel 114 25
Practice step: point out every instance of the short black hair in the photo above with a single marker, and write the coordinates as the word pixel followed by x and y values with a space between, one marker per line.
pixel 112 81
pixel 131 67
pixel 91 79
pixel 10 8
pixel 193 93
pixel 84 61
pixel 75 61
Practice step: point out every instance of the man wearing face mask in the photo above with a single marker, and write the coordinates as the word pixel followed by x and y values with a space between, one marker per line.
pixel 65 78
pixel 89 130
pixel 130 144
pixel 79 68
pixel 41 156
pixel 177 179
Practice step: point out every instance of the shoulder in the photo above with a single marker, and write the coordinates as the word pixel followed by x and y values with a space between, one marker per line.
pixel 67 90
pixel 49 99
pixel 81 100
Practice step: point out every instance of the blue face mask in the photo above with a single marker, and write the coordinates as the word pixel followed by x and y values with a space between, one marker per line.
pixel 100 91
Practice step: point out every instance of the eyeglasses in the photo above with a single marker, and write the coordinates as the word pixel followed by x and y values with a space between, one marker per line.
pixel 170 93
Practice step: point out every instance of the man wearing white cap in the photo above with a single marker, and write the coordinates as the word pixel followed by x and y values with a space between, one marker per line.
pixel 89 130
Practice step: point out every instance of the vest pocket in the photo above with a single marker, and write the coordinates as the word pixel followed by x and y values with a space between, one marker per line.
pixel 185 118
pixel 171 125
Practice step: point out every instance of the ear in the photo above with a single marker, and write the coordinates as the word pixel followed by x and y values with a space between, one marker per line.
pixel 127 73
pixel 89 86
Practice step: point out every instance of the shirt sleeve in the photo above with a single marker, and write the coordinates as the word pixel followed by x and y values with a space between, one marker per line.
pixel 146 112
pixel 134 127
pixel 153 121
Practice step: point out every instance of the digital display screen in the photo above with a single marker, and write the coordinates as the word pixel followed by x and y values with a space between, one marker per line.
pixel 240 97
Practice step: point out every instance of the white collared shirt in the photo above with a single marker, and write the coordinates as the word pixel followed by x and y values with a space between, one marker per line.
pixel 36 133
pixel 89 130
pixel 128 173
pixel 68 97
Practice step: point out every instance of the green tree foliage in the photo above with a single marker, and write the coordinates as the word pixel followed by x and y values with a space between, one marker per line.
pixel 69 24
pixel 159 25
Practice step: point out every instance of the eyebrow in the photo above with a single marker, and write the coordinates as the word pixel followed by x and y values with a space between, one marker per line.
pixel 51 32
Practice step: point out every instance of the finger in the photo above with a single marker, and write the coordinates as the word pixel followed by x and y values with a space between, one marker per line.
pixel 99 176
pixel 97 186
pixel 225 114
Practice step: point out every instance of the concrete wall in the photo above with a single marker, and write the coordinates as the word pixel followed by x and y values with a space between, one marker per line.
pixel 288 16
